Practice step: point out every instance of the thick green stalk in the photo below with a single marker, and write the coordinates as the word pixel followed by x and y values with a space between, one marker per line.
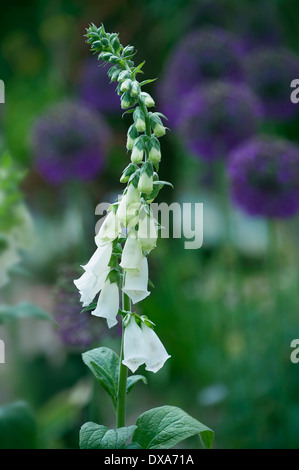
pixel 123 373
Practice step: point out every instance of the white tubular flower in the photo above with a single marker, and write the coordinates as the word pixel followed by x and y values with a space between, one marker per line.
pixel 108 303
pixel 89 285
pixel 134 350
pixel 136 282
pixel 154 155
pixel 156 353
pixel 147 231
pixel 109 230
pixel 99 260
pixel 96 271
pixel 145 184
pixel 132 254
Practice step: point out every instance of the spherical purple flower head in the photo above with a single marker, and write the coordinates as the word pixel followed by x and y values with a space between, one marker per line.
pixel 257 25
pixel 94 88
pixel 217 117
pixel 69 142
pixel 76 328
pixel 264 177
pixel 269 72
pixel 204 55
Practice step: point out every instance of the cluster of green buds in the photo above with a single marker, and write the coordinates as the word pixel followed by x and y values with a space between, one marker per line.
pixel 143 135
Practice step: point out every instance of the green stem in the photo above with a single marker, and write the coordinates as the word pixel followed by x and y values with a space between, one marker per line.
pixel 123 373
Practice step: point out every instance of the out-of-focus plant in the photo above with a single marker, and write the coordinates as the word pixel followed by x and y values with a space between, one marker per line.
pixel 124 241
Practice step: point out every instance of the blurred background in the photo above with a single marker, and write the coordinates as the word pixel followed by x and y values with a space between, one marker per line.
pixel 226 312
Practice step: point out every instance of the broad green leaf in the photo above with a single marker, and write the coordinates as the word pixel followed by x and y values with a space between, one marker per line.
pixel 166 426
pixel 133 445
pixel 104 364
pixel 133 379
pixel 10 313
pixel 95 436
pixel 17 426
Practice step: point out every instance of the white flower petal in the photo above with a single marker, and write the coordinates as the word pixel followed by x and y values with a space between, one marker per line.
pixel 136 282
pixel 156 353
pixel 89 285
pixel 109 230
pixel 134 348
pixel 108 303
pixel 132 254
pixel 99 260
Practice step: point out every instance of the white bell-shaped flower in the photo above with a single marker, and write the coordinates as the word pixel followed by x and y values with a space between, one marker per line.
pixel 147 231
pixel 96 271
pixel 108 303
pixel 132 253
pixel 134 348
pixel 99 260
pixel 109 230
pixel 136 282
pixel 156 353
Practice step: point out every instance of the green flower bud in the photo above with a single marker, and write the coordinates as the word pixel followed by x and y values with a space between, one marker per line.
pixel 147 99
pixel 131 137
pixel 128 172
pixel 136 155
pixel 145 184
pixel 139 119
pixel 126 85
pixel 135 89
pixel 123 75
pixel 157 125
pixel 154 150
pixel 126 101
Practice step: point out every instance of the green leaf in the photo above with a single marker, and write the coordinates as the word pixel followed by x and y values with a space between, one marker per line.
pixel 133 379
pixel 95 436
pixel 133 445
pixel 104 364
pixel 91 306
pixel 9 313
pixel 145 82
pixel 163 182
pixel 166 426
pixel 17 426
pixel 138 68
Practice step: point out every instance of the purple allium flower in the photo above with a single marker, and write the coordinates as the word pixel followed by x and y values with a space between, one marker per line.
pixel 264 177
pixel 204 55
pixel 217 117
pixel 269 72
pixel 69 142
pixel 94 88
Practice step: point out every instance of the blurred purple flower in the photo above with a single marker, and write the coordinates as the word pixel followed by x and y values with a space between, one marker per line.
pixel 69 142
pixel 95 89
pixel 269 72
pixel 217 117
pixel 264 177
pixel 204 55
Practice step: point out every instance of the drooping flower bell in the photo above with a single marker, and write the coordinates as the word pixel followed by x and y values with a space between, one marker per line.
pixel 129 206
pixel 136 282
pixel 147 230
pixel 108 303
pixel 132 253
pixel 109 230
pixel 142 345
pixel 264 177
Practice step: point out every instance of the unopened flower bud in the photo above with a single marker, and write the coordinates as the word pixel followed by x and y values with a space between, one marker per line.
pixel 131 136
pixel 154 150
pixel 126 101
pixel 135 89
pixel 126 85
pixel 157 125
pixel 145 184
pixel 137 155
pixel 139 119
pixel 147 99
